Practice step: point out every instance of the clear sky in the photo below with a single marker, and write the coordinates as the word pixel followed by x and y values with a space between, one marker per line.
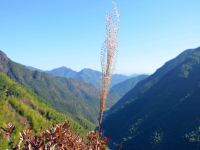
pixel 50 33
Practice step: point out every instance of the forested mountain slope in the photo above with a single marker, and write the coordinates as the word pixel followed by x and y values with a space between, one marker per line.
pixel 120 89
pixel 161 112
pixel 24 109
pixel 66 95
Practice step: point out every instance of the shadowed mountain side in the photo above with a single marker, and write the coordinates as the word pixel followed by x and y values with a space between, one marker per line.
pixel 119 90
pixel 161 112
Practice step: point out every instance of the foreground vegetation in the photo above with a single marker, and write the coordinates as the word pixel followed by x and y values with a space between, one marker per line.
pixel 59 137
pixel 25 110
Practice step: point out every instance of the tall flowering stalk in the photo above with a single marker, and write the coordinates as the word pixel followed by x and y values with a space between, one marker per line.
pixel 108 56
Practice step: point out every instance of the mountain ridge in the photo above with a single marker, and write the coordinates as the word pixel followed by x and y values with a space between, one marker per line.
pixel 66 95
pixel 166 115
pixel 154 78
pixel 87 75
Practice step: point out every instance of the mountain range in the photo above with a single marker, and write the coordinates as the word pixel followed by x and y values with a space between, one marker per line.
pixel 77 97
pixel 87 75
pixel 162 111
pixel 120 84
pixel 66 95
pixel 154 112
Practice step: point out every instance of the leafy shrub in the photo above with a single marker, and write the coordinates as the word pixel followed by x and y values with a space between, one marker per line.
pixel 59 137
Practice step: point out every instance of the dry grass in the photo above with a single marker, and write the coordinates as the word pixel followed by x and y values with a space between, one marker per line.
pixel 108 56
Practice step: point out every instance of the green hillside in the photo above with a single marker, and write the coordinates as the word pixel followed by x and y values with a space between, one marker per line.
pixel 163 116
pixel 71 96
pixel 24 109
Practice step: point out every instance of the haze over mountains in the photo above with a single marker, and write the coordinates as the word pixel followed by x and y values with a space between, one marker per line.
pixel 161 112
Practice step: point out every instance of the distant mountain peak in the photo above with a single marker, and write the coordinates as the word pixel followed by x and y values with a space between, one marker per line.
pixel 87 75
pixel 62 72
pixel 62 68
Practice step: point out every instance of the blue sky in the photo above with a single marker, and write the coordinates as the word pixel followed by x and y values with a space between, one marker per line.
pixel 50 33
